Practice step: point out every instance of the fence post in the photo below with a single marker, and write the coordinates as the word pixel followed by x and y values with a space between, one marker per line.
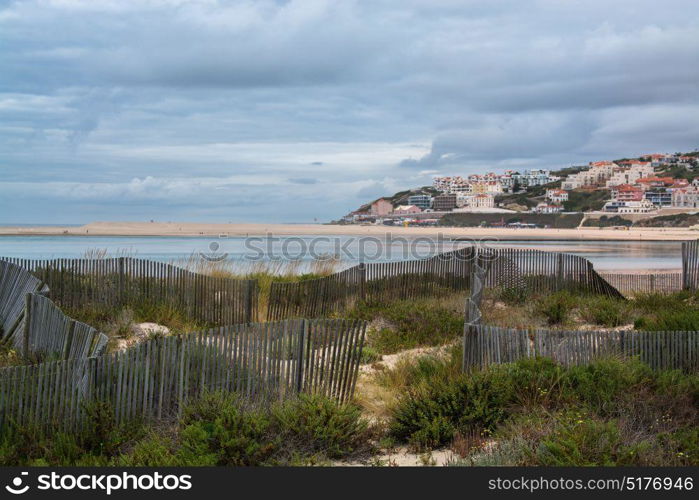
pixel 685 265
pixel 362 281
pixel 27 321
pixel 652 282
pixel 249 301
pixel 303 335
pixel 69 339
pixel 120 291
pixel 559 272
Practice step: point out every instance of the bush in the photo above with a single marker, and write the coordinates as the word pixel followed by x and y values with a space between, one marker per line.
pixel 610 412
pixel 581 441
pixel 431 415
pixel 223 429
pixel 411 323
pixel 316 425
pixel 669 321
pixel 605 311
pixel 556 307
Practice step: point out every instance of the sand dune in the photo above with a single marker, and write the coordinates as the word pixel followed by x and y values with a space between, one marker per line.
pixel 249 229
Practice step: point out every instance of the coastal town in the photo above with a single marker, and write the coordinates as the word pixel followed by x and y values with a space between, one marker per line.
pixel 624 190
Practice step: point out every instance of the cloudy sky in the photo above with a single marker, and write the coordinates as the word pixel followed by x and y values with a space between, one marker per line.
pixel 286 111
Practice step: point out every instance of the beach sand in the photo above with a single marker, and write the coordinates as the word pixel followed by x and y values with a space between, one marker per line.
pixel 249 229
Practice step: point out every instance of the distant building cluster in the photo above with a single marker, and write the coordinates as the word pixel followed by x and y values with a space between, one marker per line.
pixel 637 186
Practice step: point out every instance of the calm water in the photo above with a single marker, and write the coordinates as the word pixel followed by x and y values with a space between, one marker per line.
pixel 604 254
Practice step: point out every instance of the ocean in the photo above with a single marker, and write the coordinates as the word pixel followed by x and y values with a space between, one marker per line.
pixel 605 255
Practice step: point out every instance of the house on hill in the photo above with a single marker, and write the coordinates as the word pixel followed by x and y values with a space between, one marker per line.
pixel 381 207
pixel 406 210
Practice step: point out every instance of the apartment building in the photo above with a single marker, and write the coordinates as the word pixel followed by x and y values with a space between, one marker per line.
pixel 597 174
pixel 626 192
pixel 685 197
pixel 630 175
pixel 423 201
pixel 444 202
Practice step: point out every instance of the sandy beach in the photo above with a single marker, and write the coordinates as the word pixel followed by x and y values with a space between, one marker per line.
pixel 249 229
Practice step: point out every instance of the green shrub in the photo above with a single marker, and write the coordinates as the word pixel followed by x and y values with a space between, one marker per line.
pixel 556 307
pixel 669 321
pixel 600 384
pixel 317 425
pixel 581 441
pixel 605 311
pixel 431 415
pixel 411 324
pixel 223 430
pixel 513 296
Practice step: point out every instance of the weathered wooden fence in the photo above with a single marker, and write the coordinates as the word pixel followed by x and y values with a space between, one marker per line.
pixel 44 332
pixel 690 265
pixel 156 378
pixel 486 345
pixel 122 281
pixel 630 284
pixel 15 283
pixel 378 281
pixel 536 270
pixel 531 270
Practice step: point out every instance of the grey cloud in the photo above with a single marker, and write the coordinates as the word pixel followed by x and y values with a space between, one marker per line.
pixel 230 95
pixel 303 180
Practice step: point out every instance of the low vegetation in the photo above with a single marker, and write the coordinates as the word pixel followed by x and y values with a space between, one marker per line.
pixel 608 221
pixel 406 324
pixel 585 200
pixel 217 429
pixel 535 412
pixel 566 310
pixel 676 220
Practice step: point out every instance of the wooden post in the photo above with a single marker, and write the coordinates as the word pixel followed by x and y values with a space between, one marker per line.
pixel 362 281
pixel 69 339
pixel 120 285
pixel 27 321
pixel 303 334
pixel 559 272
pixel 249 301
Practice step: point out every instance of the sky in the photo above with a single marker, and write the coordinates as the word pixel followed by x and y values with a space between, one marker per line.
pixel 295 111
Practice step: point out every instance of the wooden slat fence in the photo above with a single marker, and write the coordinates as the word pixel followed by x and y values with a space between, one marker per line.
pixel 378 281
pixel 532 270
pixel 630 284
pixel 486 345
pixel 15 283
pixel 541 271
pixel 123 281
pixel 44 332
pixel 690 265
pixel 156 378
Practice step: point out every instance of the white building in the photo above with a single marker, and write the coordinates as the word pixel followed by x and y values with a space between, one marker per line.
pixel 598 173
pixel 630 207
pixel 546 208
pixel 556 196
pixel 482 201
pixel 685 198
pixel 630 175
